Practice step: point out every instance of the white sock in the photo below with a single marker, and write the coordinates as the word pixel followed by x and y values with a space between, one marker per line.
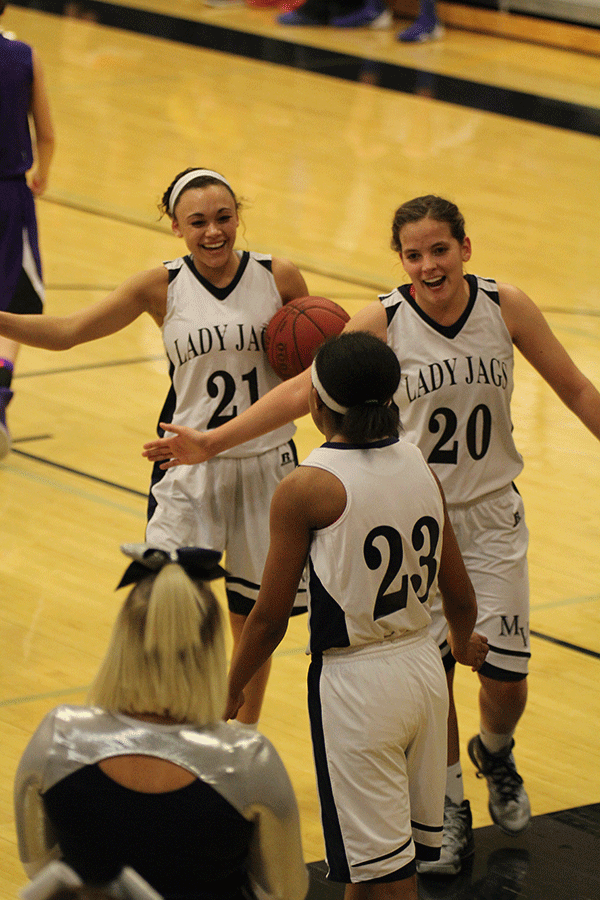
pixel 494 743
pixel 454 784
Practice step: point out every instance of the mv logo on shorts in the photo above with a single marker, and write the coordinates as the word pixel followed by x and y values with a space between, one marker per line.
pixel 512 629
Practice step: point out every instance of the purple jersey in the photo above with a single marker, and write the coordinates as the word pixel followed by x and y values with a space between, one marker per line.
pixel 16 80
pixel 21 288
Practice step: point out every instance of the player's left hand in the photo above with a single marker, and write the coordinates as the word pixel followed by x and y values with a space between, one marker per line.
pixel 38 183
pixel 471 654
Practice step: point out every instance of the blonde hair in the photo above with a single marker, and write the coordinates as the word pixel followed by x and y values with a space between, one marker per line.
pixel 167 654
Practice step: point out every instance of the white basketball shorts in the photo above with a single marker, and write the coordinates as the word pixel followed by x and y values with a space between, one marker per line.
pixel 224 505
pixel 493 539
pixel 378 723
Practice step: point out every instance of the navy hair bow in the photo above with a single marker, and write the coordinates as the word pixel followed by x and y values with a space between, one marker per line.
pixel 195 561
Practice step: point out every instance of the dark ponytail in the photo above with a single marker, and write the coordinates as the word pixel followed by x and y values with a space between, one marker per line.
pixel 361 373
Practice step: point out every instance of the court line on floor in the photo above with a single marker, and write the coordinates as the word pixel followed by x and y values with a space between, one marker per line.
pixel 477 95
pixel 566 644
pixel 65 692
pixel 373 285
pixel 83 367
pixel 49 695
pixel 570 601
pixel 114 216
pixel 294 651
pixel 78 472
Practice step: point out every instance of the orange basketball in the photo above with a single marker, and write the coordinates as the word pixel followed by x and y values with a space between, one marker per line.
pixel 297 331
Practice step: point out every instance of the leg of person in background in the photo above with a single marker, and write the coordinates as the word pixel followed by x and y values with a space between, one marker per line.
pixel 372 14
pixel 313 12
pixel 426 27
pixel 458 843
pixel 254 692
pixel 338 13
pixel 8 356
pixel 501 705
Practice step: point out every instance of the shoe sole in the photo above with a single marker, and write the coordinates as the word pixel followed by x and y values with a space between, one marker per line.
pixel 443 869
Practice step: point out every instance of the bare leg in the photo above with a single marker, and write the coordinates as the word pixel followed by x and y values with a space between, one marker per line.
pixel 501 704
pixel 254 692
pixel 406 889
pixel 453 737
pixel 9 349
pixel 8 354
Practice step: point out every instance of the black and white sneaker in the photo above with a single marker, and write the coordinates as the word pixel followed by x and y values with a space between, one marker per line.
pixel 508 804
pixel 457 843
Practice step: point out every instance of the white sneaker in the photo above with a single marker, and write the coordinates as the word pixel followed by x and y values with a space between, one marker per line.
pixel 458 842
pixel 508 804
pixel 383 20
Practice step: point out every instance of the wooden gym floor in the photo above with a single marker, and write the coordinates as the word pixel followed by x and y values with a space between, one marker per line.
pixel 324 132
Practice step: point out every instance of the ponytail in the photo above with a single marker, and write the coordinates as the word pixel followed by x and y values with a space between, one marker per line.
pixel 167 652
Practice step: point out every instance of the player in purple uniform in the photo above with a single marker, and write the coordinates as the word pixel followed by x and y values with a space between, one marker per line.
pixel 22 97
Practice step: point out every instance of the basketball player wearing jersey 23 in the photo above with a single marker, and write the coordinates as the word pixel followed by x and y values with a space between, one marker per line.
pixel 370 516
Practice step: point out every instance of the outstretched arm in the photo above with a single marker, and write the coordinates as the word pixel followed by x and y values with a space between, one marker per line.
pixel 145 292
pixel 286 402
pixel 532 335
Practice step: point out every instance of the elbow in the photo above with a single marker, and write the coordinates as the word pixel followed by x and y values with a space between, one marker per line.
pixel 274 633
pixel 270 631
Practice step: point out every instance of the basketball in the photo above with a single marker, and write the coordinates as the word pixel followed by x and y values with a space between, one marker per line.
pixel 298 329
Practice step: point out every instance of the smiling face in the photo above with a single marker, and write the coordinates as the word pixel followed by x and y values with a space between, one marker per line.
pixel 433 260
pixel 206 218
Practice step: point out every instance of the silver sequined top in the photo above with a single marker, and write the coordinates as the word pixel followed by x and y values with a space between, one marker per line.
pixel 240 764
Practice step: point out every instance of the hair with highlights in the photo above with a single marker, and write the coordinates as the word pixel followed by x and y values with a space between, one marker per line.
pixel 167 653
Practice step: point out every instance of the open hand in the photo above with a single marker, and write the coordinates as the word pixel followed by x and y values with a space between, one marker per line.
pixel 187 447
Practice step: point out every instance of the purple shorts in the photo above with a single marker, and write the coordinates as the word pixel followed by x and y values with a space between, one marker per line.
pixel 21 287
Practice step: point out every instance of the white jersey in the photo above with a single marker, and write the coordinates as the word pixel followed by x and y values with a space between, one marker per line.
pixel 455 390
pixel 214 339
pixel 373 570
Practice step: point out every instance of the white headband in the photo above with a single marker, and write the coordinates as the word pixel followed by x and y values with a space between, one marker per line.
pixel 185 180
pixel 327 400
